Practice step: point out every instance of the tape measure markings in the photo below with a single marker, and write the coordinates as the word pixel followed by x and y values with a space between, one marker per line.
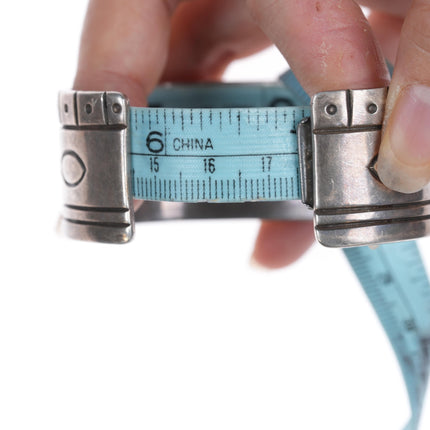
pixel 226 155
pixel 251 134
pixel 395 281
pixel 225 190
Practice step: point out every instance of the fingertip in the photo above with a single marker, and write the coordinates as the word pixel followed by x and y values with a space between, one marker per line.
pixel 404 157
pixel 281 243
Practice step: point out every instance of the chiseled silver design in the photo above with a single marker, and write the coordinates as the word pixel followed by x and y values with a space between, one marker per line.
pixel 351 206
pixel 97 194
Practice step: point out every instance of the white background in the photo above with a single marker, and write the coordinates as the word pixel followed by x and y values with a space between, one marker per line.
pixel 174 330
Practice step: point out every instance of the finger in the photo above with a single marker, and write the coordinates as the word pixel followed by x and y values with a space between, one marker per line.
pixel 387 30
pixel 207 36
pixel 124 46
pixel 404 158
pixel 398 8
pixel 330 46
pixel 280 243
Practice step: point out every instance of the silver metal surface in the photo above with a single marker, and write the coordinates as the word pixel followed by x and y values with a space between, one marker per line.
pixel 163 211
pixel 304 140
pixel 97 194
pixel 351 206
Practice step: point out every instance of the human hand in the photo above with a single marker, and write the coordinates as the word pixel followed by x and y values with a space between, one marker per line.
pixel 131 46
pixel 403 28
pixel 337 44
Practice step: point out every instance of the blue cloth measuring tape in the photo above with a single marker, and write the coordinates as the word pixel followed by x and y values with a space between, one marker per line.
pixel 220 155
pixel 236 154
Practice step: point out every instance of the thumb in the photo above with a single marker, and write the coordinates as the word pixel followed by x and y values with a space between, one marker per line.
pixel 404 157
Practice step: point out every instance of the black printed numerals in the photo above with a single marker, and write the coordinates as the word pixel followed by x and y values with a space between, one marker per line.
pixel 153 164
pixel 209 165
pixel 266 163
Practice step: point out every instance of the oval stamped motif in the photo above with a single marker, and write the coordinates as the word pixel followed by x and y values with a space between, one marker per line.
pixel 72 168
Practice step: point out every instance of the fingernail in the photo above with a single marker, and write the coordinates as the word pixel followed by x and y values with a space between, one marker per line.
pixel 404 158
